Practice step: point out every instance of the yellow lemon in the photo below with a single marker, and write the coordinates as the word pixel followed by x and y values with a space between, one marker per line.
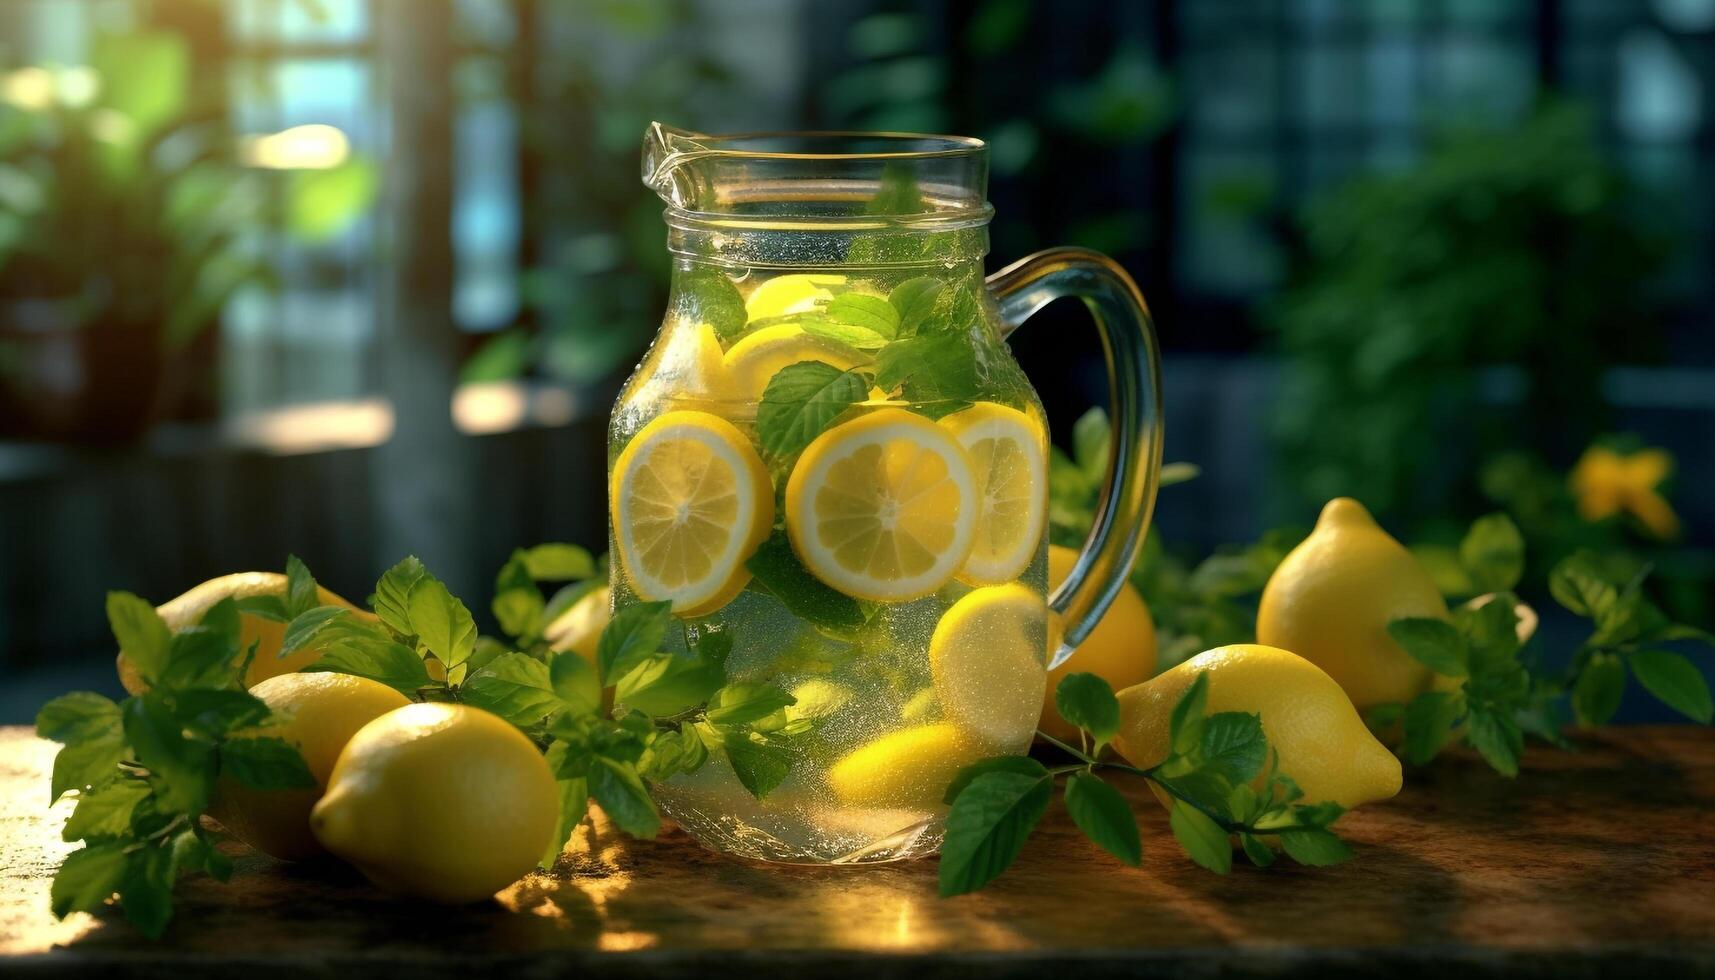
pixel 986 660
pixel 1120 650
pixel 758 356
pixel 1009 457
pixel 1330 602
pixel 187 610
pixel 579 628
pixel 439 801
pixel 323 712
pixel 797 293
pixel 690 502
pixel 693 366
pixel 883 507
pixel 910 768
pixel 1322 742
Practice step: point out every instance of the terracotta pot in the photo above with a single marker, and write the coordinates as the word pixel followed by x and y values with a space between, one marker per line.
pixel 65 380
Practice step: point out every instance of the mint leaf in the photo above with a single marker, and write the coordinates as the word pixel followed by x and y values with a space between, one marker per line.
pixel 1675 682
pixel 1185 724
pixel 987 827
pixel 1597 691
pixel 914 299
pixel 931 368
pixel 635 632
pixel 305 626
pixel 575 680
pixel 392 598
pixel 142 634
pixel 81 716
pixel 708 296
pixel 743 704
pixel 1088 701
pixel 776 568
pixel 146 889
pixel 868 321
pixel 621 794
pixel 1234 746
pixel 88 878
pixel 666 684
pixel 205 655
pixel 1491 631
pixel 90 763
pixel 1104 816
pixel 1023 765
pixel 1203 840
pixel 1577 586
pixel 1432 642
pixel 270 607
pixel 851 335
pixel 216 712
pixel 389 662
pixel 1429 720
pixel 514 686
pixel 441 622
pixel 183 769
pixel 803 399
pixel 1497 738
pixel 1260 854
pixel 574 803
pixel 265 764
pixel 1315 847
pixel 301 593
pixel 1493 553
pixel 105 812
pixel 518 604
pixel 1091 437
pixel 759 764
pixel 556 562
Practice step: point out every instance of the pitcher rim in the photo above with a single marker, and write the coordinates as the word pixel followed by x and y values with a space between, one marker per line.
pixel 951 146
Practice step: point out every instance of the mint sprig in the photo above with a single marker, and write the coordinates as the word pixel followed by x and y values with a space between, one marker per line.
pixel 802 400
pixel 1214 774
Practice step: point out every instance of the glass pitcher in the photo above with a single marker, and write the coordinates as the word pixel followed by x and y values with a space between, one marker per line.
pixel 832 467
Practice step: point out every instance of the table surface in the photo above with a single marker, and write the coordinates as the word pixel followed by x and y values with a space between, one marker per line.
pixel 1588 863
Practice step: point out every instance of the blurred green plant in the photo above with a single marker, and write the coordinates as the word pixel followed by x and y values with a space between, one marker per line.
pixel 122 195
pixel 1504 270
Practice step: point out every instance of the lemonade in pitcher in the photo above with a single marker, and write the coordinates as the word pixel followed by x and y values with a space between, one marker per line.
pixel 833 469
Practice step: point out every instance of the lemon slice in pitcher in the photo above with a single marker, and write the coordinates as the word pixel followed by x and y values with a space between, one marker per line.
pixel 796 293
pixel 909 768
pixel 986 661
pixel 759 355
pixel 883 507
pixel 691 501
pixel 1009 454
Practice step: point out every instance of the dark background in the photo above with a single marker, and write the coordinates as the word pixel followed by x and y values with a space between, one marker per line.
pixel 1422 252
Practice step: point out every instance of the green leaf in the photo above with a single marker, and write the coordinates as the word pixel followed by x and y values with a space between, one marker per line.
pixel 666 684
pixel 708 296
pixel 301 593
pixel 105 812
pixel 801 400
pixel 1260 853
pixel 88 877
pixel 1491 632
pixel 1497 738
pixel 81 716
pixel 441 622
pixel 1429 720
pixel 216 712
pixel 867 313
pixel 759 764
pixel 392 599
pixel 555 562
pixel 321 204
pixel 1023 765
pixel 206 655
pixel 146 889
pixel 1493 553
pixel 574 803
pixel 270 607
pixel 1204 840
pixel 1577 586
pixel 742 704
pixel 142 634
pixel 514 686
pixel 1103 815
pixel 145 77
pixel 518 603
pixel 776 568
pixel 622 796
pixel 635 632
pixel 1675 681
pixel 940 370
pixel 915 301
pixel 1091 437
pixel 851 335
pixel 93 762
pixel 1316 848
pixel 265 764
pixel 182 770
pixel 386 661
pixel 987 827
pixel 575 680
pixel 1432 642
pixel 1597 691
pixel 1185 724
pixel 1234 746
pixel 305 627
pixel 1088 701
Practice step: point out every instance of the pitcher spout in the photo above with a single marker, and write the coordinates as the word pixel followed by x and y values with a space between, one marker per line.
pixel 668 152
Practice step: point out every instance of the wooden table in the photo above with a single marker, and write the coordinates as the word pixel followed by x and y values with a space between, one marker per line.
pixel 1599 863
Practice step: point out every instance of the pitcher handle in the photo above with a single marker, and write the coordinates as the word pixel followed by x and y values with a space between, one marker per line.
pixel 1134 379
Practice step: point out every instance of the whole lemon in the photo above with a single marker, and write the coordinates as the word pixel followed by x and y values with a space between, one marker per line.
pixel 187 610
pixel 1120 650
pixel 440 801
pixel 1332 597
pixel 324 711
pixel 1322 742
pixel 579 628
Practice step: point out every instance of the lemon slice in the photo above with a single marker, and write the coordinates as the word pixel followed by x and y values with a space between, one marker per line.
pixel 692 366
pixel 882 507
pixel 759 355
pixel 986 661
pixel 790 294
pixel 911 767
pixel 691 501
pixel 1009 455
